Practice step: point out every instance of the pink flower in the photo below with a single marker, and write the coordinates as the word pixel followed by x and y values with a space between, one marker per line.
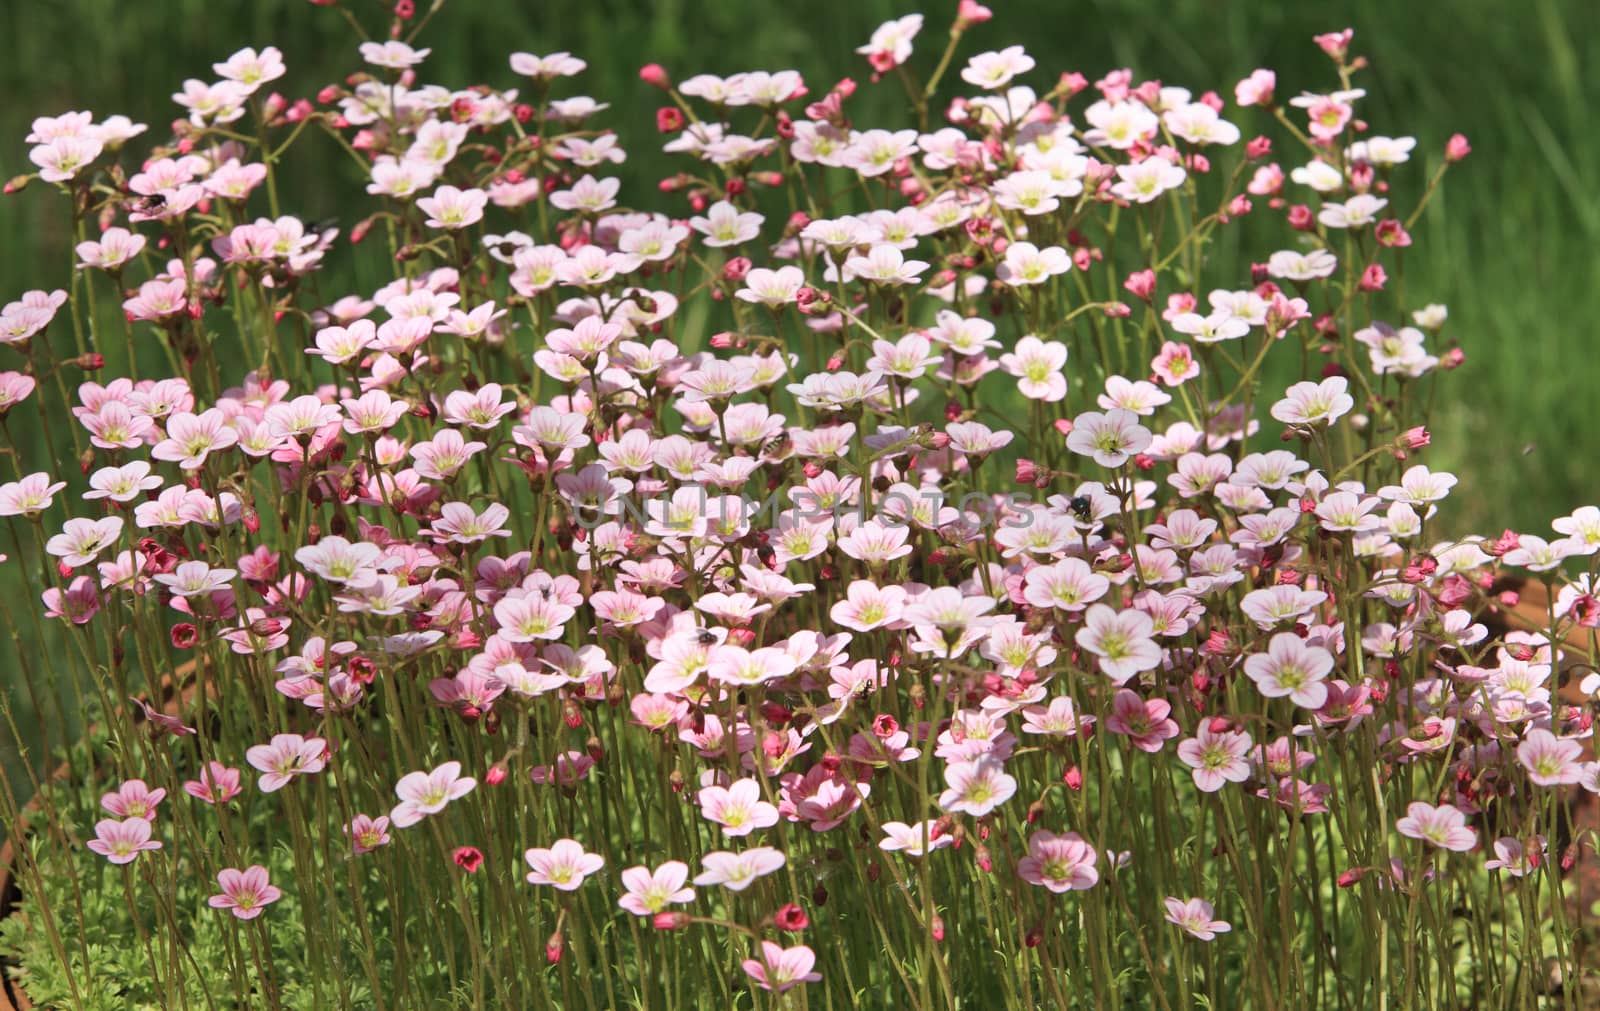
pixel 1443 826
pixel 374 412
pixel 63 158
pixel 245 892
pixel 1059 862
pixel 1194 916
pixel 252 69
pixel 191 438
pixel 32 494
pixel 458 523
pixel 739 808
pixel 217 784
pixel 915 840
pixel 82 540
pixel 650 892
pixel 1517 860
pixel 781 968
pixel 287 756
pixel 738 871
pixel 392 55
pixel 1026 264
pixel 890 44
pixel 1175 364
pixel 735 665
pixel 883 264
pixel 1037 365
pixel 1110 438
pixel 1142 182
pixel 1068 585
pixel 1550 760
pixel 867 606
pixel 1122 640
pixel 1291 668
pixel 121 842
pixel 339 345
pixel 532 618
pixel 1315 403
pixel 78 603
pixel 546 67
pixel 481 409
pixel 425 793
pixel 14 389
pixel 116 247
pixel 772 287
pixel 976 787
pixel 340 561
pixel 725 225
pixel 588 195
pixel 443 457
pixel 1216 757
pixel 564 865
pixel 134 799
pixel 453 208
pixel 1256 89
pixel 1144 721
pixel 367 834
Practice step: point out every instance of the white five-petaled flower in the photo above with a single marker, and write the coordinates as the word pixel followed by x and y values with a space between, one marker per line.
pixel 1310 403
pixel 563 866
pixel 1109 438
pixel 425 793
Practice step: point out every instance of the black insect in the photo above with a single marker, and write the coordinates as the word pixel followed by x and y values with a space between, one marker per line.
pixel 1081 507
pixel 147 204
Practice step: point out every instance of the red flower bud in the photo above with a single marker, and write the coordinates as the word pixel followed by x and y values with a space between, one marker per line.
pixel 791 917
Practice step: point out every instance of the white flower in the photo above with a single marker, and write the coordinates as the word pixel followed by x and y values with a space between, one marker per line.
pixel 1357 212
pixel 1147 180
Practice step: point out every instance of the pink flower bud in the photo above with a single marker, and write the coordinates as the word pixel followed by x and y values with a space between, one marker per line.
pixel 970 13
pixel 666 921
pixel 656 76
pixel 1141 284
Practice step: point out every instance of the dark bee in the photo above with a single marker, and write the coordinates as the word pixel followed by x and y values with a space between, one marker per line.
pixel 147 204
pixel 707 637
pixel 1082 508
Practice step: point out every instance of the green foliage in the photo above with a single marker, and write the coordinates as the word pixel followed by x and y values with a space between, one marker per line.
pixel 117 949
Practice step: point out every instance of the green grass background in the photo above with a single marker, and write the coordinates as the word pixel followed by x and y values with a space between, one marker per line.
pixel 1510 245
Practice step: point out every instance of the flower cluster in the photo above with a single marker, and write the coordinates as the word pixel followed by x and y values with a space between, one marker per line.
pixel 894 531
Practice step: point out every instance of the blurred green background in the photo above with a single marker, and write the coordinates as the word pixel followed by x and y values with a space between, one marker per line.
pixel 1510 245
